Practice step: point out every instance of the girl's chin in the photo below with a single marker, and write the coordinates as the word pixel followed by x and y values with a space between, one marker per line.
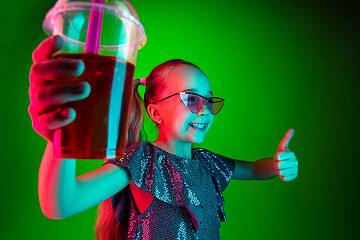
pixel 198 142
pixel 197 139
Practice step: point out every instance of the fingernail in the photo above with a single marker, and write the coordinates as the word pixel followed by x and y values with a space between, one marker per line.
pixel 64 114
pixel 77 89
pixel 61 114
pixel 72 65
pixel 57 40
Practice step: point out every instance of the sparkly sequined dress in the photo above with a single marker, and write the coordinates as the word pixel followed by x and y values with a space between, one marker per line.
pixel 188 201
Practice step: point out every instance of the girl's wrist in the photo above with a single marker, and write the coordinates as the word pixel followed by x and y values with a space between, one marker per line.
pixel 264 168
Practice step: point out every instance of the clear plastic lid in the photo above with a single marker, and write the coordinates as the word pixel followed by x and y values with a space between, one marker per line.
pixel 68 17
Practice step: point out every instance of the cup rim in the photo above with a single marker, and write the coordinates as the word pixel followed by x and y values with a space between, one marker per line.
pixel 47 26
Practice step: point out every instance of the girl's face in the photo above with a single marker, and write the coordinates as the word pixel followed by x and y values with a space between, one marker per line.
pixel 177 121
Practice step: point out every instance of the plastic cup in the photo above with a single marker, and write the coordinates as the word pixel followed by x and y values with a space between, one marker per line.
pixel 99 130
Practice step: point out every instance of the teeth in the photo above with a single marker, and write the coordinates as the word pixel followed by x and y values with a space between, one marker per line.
pixel 198 125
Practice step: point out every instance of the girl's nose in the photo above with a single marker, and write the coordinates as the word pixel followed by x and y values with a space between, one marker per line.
pixel 204 111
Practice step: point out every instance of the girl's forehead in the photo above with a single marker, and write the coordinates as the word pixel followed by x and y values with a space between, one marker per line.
pixel 185 77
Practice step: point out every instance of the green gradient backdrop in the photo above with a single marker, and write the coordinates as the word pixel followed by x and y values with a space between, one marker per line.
pixel 278 64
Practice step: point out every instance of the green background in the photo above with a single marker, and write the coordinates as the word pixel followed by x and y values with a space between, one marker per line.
pixel 278 64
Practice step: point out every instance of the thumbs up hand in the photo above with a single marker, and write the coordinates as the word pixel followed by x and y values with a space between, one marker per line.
pixel 286 163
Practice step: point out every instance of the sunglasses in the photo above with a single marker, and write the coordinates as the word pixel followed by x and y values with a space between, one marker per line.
pixel 195 102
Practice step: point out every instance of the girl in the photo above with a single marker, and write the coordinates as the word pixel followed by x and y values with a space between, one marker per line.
pixel 159 190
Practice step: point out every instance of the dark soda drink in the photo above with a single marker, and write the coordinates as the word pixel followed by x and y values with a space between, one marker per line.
pixel 99 130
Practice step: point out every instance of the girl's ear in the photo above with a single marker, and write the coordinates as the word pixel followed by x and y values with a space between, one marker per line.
pixel 154 113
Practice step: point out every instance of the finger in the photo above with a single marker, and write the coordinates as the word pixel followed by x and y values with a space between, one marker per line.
pixel 47 48
pixel 286 139
pixel 286 164
pixel 55 69
pixel 283 155
pixel 63 93
pixel 287 172
pixel 289 178
pixel 48 122
pixel 48 96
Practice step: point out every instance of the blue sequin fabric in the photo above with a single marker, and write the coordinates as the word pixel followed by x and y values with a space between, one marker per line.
pixel 188 201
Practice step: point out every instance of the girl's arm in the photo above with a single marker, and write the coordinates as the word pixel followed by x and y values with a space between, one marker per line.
pixel 284 164
pixel 261 169
pixel 62 195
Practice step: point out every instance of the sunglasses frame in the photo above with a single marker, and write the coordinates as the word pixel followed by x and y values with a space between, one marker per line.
pixel 180 93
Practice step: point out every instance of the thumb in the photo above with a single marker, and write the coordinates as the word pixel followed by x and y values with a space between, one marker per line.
pixel 47 48
pixel 286 139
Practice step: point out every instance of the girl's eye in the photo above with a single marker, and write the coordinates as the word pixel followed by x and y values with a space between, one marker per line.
pixel 191 98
